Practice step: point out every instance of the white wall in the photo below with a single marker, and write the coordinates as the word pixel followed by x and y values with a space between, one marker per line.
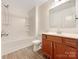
pixel 43 16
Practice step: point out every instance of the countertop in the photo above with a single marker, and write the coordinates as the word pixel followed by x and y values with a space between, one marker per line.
pixel 62 34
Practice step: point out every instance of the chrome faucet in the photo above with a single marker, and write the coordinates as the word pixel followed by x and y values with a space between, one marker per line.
pixel 59 31
pixel 4 34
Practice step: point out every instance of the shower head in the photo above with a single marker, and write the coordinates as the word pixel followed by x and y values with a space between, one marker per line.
pixel 6 5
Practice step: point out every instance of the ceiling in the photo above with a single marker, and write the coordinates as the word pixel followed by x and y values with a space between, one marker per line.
pixel 23 5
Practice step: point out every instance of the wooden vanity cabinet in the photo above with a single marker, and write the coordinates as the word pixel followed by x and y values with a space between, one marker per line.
pixel 59 51
pixel 70 42
pixel 56 47
pixel 71 52
pixel 47 47
pixel 71 48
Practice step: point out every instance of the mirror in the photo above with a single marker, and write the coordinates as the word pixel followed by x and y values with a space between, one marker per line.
pixel 63 16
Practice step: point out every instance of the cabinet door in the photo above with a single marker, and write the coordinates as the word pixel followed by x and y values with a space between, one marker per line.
pixel 71 52
pixel 47 47
pixel 59 51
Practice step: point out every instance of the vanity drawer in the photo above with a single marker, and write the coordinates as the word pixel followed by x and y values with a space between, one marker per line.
pixel 70 41
pixel 55 39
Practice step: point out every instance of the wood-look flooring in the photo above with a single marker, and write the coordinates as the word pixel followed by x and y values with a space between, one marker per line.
pixel 25 53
